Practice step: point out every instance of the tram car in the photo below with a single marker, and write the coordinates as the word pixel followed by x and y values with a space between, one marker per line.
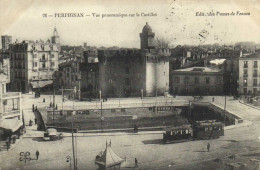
pixel 208 129
pixel 177 134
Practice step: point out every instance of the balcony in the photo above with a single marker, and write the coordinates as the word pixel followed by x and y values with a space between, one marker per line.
pixel 43 59
pixel 11 113
pixel 11 95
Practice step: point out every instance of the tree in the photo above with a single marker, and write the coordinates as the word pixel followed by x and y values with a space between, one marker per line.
pixel 162 42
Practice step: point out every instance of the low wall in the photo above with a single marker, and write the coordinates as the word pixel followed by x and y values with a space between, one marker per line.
pixel 233 119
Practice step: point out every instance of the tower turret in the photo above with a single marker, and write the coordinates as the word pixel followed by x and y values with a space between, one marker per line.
pixel 147 37
pixel 55 39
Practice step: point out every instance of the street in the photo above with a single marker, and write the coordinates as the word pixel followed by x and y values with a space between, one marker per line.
pixel 147 148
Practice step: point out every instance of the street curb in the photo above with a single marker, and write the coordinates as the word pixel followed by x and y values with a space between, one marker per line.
pixel 101 134
pixel 249 105
pixel 248 123
pixel 13 146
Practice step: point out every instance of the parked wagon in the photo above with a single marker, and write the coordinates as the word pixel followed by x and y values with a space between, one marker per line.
pixel 51 135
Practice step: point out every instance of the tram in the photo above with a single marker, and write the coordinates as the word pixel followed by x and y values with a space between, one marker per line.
pixel 206 129
pixel 177 134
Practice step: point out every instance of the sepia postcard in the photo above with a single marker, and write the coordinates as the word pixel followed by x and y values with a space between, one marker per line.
pixel 148 84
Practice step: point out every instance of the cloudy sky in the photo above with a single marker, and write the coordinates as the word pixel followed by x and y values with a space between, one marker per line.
pixel 175 20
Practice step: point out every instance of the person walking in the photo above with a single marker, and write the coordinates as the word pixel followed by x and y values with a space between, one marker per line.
pixel 37 154
pixel 136 163
pixel 7 145
pixel 213 99
pixel 208 147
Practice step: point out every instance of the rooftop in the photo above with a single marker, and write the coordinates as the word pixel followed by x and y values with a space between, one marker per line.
pixel 254 55
pixel 199 69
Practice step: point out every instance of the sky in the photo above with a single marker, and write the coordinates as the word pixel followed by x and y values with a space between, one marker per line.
pixel 175 21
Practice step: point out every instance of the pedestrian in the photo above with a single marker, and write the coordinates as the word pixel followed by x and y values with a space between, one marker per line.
pixel 136 163
pixel 37 154
pixel 208 147
pixel 50 104
pixel 7 145
pixel 213 99
pixel 43 100
pixel 56 107
pixel 35 121
pixel 30 123
pixel 33 107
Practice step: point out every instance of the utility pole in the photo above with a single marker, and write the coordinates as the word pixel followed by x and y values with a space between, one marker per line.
pixel 101 116
pixel 225 110
pixel 79 89
pixel 74 161
pixel 156 99
pixel 142 96
pixel 62 99
pixel 53 104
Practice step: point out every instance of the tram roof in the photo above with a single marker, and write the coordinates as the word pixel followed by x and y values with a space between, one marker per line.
pixel 208 123
pixel 184 127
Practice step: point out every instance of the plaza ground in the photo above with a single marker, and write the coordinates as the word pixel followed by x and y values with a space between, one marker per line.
pixel 238 141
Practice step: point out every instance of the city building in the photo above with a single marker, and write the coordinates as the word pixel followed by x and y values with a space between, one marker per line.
pixel 32 64
pixel 10 105
pixel 197 81
pixel 116 72
pixel 134 72
pixel 79 75
pixel 6 41
pixel 249 74
pixel 230 67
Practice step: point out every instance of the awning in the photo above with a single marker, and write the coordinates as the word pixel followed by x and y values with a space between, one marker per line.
pixel 11 124
pixel 41 84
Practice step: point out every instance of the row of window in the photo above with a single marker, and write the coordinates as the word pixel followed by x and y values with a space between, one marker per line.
pixel 196 80
pixel 249 91
pixel 245 82
pixel 255 73
pixel 22 56
pixel 18 56
pixel 194 90
pixel 18 74
pixel 43 56
pixel 255 65
pixel 35 64
pixel 41 77
pixel 17 65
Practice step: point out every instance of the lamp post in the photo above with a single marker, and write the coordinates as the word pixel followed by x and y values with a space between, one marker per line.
pixel 74 93
pixel 142 96
pixel 101 119
pixel 68 160
pixel 62 100
pixel 79 88
pixel 225 105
